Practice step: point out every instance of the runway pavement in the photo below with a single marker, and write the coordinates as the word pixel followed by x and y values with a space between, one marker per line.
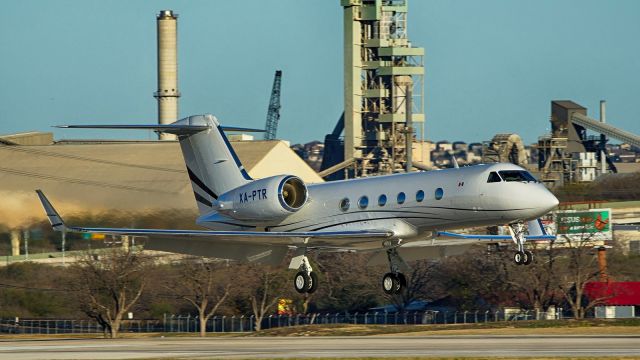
pixel 285 347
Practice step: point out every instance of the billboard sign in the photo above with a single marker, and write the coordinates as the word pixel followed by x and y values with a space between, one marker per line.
pixel 591 224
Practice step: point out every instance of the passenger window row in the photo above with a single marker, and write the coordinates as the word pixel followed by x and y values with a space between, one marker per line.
pixel 363 201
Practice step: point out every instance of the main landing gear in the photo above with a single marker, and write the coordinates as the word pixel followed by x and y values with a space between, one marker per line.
pixel 394 281
pixel 521 256
pixel 305 280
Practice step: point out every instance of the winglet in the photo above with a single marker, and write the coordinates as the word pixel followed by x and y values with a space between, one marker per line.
pixel 56 221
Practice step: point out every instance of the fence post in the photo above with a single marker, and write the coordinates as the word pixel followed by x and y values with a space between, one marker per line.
pixel 475 317
pixel 486 313
pixel 464 317
pixel 455 317
pixel 495 316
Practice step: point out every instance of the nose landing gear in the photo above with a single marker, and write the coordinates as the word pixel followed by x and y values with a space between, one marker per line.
pixel 521 256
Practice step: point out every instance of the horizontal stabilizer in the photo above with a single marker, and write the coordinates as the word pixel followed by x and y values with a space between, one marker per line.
pixel 177 129
pixel 170 128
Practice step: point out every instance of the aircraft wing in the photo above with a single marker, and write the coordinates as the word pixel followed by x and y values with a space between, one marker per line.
pixel 446 243
pixel 239 245
pixel 451 235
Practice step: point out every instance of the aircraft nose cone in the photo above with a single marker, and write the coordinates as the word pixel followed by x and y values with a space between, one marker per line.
pixel 547 200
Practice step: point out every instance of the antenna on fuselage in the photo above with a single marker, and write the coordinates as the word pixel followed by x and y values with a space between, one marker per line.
pixel 455 162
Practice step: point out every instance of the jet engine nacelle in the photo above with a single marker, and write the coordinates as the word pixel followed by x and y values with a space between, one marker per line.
pixel 271 198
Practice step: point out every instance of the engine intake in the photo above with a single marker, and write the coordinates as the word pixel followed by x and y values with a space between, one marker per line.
pixel 292 193
pixel 267 199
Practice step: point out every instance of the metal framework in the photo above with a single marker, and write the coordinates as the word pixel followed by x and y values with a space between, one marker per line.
pixel 380 65
pixel 568 154
pixel 273 112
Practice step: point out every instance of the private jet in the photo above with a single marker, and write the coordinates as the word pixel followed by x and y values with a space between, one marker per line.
pixel 397 217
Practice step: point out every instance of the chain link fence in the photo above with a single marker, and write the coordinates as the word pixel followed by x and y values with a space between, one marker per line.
pixel 191 324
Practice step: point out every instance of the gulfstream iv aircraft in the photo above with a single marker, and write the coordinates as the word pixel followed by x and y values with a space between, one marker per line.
pixel 396 217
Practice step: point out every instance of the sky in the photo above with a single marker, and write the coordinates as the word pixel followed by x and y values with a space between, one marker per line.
pixel 492 66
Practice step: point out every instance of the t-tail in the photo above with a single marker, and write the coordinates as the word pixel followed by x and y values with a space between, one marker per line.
pixel 212 164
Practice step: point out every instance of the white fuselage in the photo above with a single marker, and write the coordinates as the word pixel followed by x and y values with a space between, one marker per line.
pixel 434 200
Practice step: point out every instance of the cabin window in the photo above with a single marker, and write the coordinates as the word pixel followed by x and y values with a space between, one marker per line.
pixel 439 193
pixel 420 196
pixel 494 177
pixel 517 175
pixel 401 198
pixel 363 202
pixel 382 200
pixel 344 204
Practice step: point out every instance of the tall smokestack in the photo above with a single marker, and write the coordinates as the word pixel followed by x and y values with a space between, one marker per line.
pixel 167 93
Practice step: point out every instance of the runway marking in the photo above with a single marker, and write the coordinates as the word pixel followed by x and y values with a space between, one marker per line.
pixel 57 347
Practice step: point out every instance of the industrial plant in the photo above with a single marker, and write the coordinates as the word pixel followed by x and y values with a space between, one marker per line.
pixel 383 130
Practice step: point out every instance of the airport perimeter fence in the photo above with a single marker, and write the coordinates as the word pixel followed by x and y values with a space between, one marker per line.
pixel 190 324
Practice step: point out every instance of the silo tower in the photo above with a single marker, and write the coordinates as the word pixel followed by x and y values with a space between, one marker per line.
pixel 383 84
pixel 168 93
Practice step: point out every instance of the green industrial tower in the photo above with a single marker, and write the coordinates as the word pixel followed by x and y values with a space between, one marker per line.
pixel 381 71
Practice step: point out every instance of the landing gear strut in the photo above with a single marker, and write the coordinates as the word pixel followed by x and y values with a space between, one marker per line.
pixel 305 280
pixel 521 256
pixel 394 281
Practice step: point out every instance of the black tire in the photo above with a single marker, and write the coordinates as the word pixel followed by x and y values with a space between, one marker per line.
pixel 518 257
pixel 313 283
pixel 528 257
pixel 402 283
pixel 301 282
pixel 389 283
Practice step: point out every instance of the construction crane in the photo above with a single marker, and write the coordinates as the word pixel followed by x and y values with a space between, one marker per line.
pixel 273 112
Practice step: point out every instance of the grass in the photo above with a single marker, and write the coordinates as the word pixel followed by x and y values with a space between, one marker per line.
pixel 547 327
pixel 570 327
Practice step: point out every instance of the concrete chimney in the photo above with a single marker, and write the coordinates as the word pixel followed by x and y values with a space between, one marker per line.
pixel 167 94
pixel 602 264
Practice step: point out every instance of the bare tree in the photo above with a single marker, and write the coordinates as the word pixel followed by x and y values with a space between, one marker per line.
pixel 420 285
pixel 264 287
pixel 109 284
pixel 580 268
pixel 348 284
pixel 539 281
pixel 204 283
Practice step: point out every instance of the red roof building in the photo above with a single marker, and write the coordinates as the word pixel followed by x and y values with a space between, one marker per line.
pixel 615 293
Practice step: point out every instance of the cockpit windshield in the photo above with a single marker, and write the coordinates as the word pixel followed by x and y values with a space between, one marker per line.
pixel 516 175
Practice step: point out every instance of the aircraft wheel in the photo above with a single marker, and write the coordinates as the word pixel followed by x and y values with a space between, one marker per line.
pixel 528 257
pixel 402 283
pixel 302 282
pixel 518 257
pixel 389 283
pixel 313 283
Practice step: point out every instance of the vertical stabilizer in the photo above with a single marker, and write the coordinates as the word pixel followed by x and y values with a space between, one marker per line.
pixel 212 164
